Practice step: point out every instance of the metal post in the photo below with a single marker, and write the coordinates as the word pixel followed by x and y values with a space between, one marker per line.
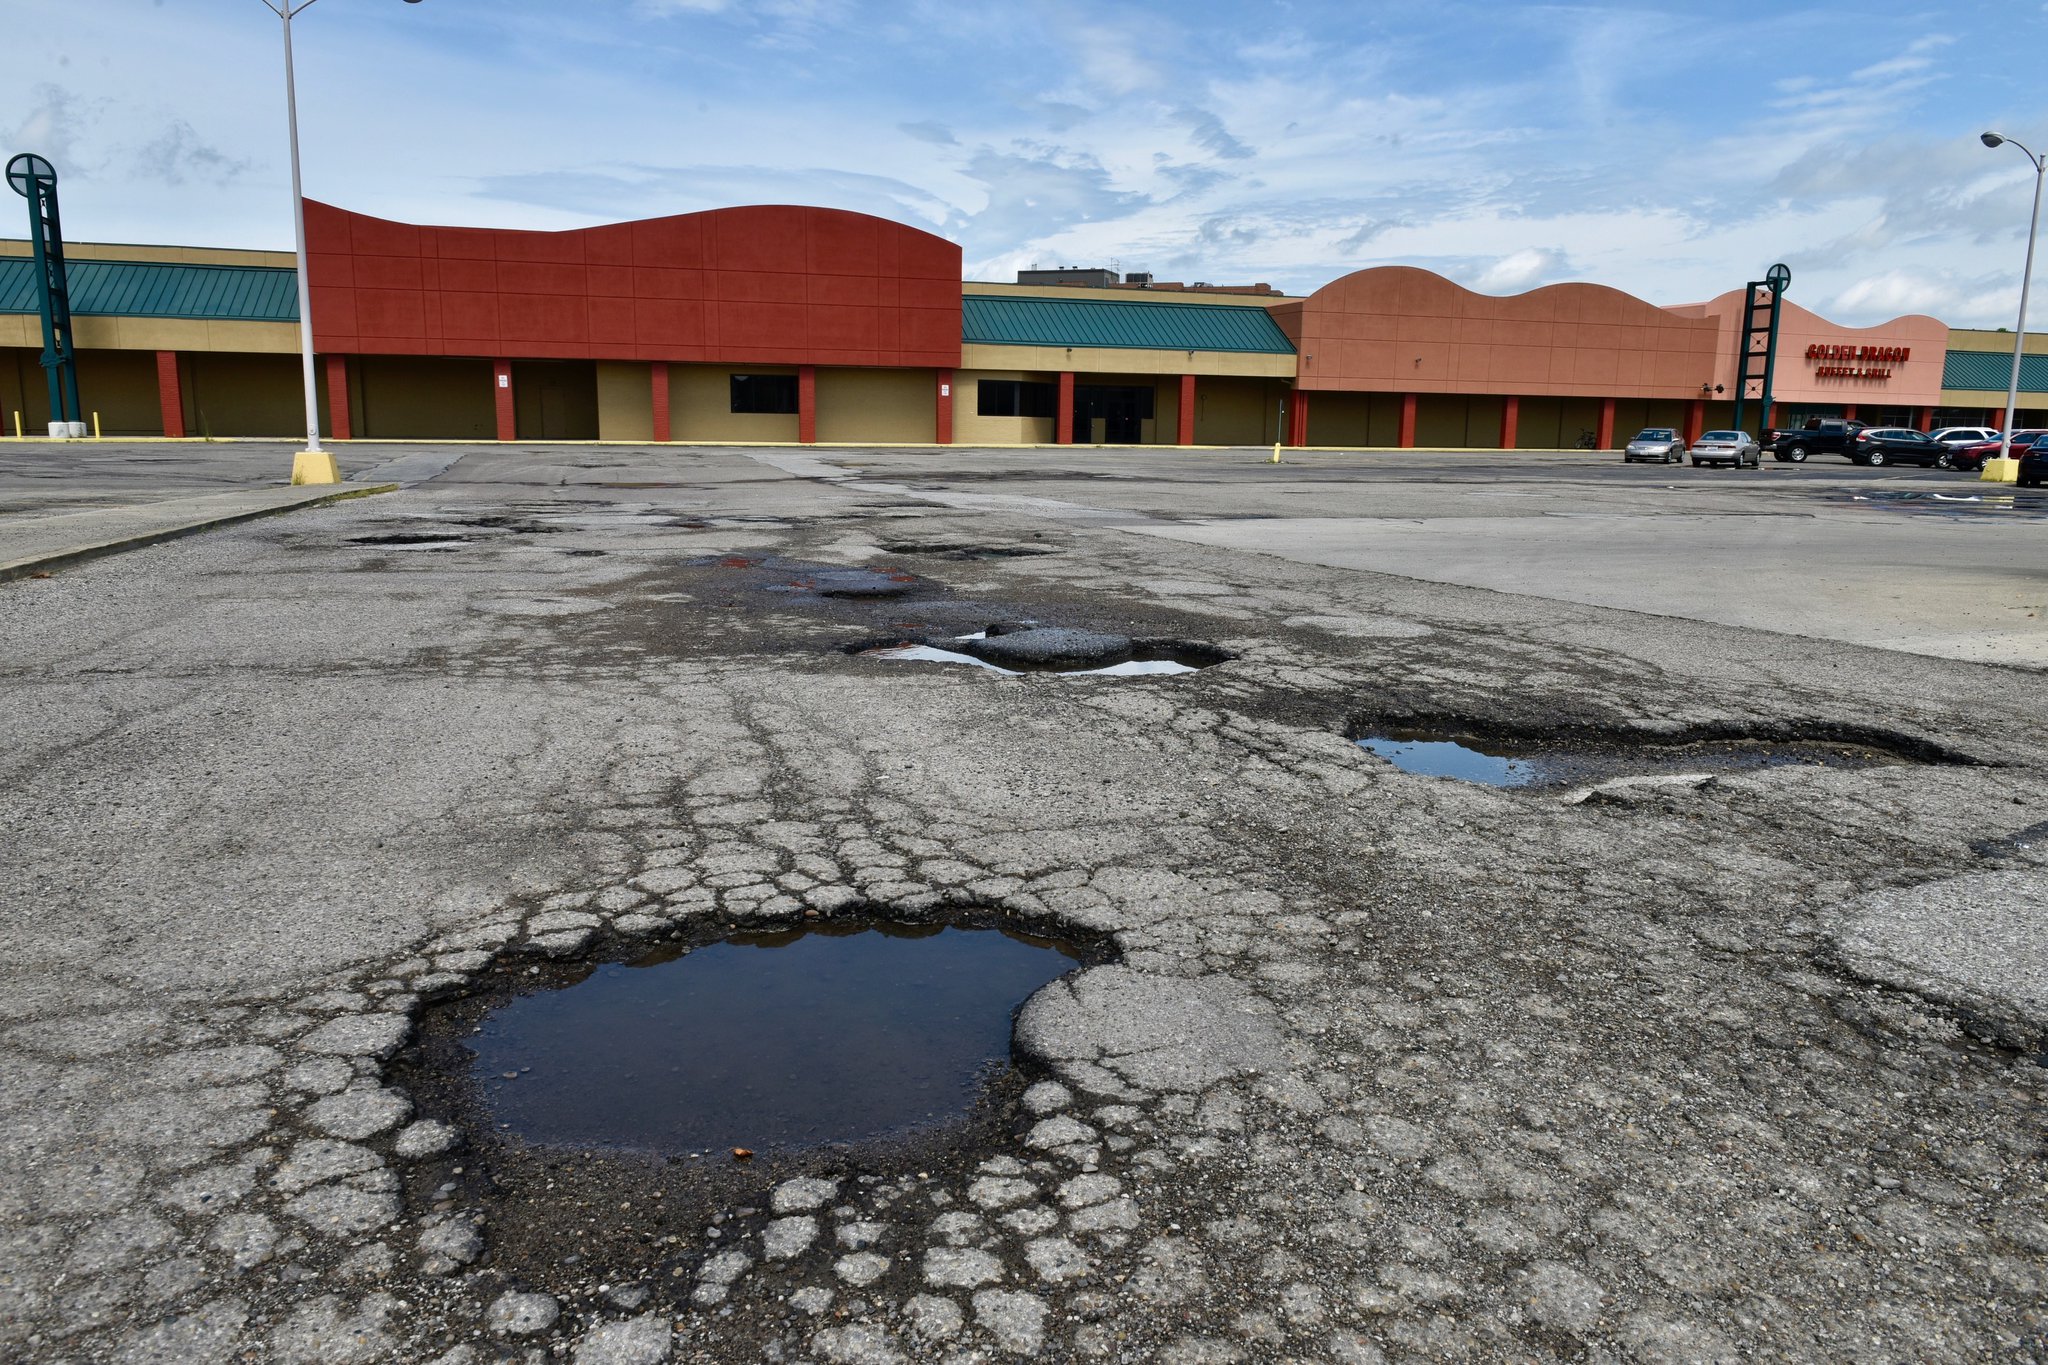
pixel 285 12
pixel 2019 339
pixel 1771 349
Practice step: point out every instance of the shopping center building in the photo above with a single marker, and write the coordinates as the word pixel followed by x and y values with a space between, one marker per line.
pixel 794 324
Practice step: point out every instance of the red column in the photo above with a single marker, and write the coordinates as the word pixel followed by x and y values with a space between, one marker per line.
pixel 1603 439
pixel 1695 420
pixel 1407 421
pixel 1187 410
pixel 1063 419
pixel 339 424
pixel 170 398
pixel 1848 412
pixel 658 395
pixel 1926 419
pixel 807 404
pixel 1510 422
pixel 1771 417
pixel 942 420
pixel 1297 419
pixel 501 390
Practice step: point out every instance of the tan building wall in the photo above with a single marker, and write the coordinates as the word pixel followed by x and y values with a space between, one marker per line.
pixel 555 400
pixel 700 406
pixel 157 334
pixel 422 398
pixel 120 386
pixel 1981 339
pixel 886 407
pixel 1238 412
pixel 241 395
pixel 24 392
pixel 972 429
pixel 174 255
pixel 1354 420
pixel 625 401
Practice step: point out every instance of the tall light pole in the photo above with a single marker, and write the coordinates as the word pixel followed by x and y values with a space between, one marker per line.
pixel 311 465
pixel 2005 469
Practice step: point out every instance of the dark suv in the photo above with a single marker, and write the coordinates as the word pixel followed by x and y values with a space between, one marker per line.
pixel 1900 445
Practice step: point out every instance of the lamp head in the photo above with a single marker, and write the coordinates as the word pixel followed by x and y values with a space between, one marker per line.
pixel 1988 139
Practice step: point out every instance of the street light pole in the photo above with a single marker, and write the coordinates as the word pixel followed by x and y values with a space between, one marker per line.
pixel 2005 469
pixel 311 465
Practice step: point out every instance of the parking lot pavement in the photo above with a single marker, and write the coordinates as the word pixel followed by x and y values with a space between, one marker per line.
pixel 1386 1066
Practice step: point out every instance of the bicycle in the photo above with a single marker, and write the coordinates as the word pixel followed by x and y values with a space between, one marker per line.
pixel 1587 439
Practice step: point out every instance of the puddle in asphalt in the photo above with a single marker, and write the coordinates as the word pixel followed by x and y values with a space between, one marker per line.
pixel 413 540
pixel 2027 504
pixel 1563 761
pixel 1448 758
pixel 828 1035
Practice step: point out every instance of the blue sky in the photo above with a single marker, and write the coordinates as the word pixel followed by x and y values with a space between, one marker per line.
pixel 1670 149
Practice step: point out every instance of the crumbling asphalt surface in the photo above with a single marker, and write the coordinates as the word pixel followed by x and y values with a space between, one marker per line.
pixel 1378 1067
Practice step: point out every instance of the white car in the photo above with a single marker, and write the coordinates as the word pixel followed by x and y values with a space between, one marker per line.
pixel 1661 444
pixel 1736 448
pixel 1964 436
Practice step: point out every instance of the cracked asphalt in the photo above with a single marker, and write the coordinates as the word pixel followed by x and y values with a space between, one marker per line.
pixel 1372 1067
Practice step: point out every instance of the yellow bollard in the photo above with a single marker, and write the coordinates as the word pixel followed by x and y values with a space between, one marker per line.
pixel 1276 454
pixel 95 426
pixel 17 424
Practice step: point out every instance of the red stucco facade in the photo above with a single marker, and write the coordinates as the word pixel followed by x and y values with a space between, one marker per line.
pixel 762 285
pixel 1402 330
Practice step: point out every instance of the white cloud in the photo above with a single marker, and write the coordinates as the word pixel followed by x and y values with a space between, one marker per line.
pixel 1522 270
pixel 1895 292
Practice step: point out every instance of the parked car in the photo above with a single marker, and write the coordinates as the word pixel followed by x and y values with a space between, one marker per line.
pixel 1964 436
pixel 1727 447
pixel 1974 456
pixel 1900 445
pixel 2034 466
pixel 1661 444
pixel 1820 436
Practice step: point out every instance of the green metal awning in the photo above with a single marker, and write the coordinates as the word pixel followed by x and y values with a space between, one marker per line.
pixel 147 289
pixel 1993 370
pixel 1131 324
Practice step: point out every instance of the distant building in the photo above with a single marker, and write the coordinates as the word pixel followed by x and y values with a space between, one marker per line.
pixel 781 323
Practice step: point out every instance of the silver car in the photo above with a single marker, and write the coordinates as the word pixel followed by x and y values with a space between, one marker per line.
pixel 1738 448
pixel 1661 444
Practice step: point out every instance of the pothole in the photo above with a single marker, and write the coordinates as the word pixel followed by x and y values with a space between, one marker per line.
pixel 961 551
pixel 626 1119
pixel 845 1034
pixel 1015 650
pixel 413 540
pixel 1569 758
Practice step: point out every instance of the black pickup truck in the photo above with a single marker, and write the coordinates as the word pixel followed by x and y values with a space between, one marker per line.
pixel 1820 436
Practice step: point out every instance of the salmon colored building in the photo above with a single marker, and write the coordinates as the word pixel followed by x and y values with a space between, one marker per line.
pixel 782 323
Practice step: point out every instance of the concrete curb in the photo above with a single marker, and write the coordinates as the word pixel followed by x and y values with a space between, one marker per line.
pixel 74 537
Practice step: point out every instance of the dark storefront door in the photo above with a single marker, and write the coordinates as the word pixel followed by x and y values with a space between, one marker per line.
pixel 1114 414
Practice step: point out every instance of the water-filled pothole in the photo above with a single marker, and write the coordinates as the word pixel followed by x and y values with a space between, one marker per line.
pixel 2024 504
pixel 814 1036
pixel 1573 759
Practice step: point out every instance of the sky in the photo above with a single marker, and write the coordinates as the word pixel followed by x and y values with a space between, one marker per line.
pixel 1673 150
